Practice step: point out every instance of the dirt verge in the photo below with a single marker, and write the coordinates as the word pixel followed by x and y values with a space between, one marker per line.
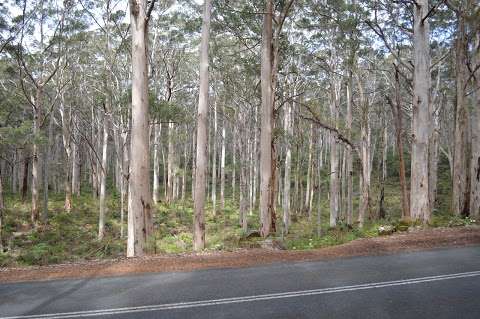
pixel 400 242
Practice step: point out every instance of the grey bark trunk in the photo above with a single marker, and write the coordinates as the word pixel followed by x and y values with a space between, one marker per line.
pixel 140 225
pixel 202 116
pixel 421 122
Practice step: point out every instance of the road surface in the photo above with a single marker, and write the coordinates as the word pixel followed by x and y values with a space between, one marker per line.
pixel 441 283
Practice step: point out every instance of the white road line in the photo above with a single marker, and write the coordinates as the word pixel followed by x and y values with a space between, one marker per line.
pixel 204 303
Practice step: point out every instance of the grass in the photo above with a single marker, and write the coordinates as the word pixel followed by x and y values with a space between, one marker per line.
pixel 70 237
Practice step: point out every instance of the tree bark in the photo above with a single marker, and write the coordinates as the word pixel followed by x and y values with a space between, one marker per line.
pixel 475 129
pixel 156 163
pixel 288 127
pixel 460 190
pixel 140 225
pixel 202 116
pixel 103 178
pixel 266 119
pixel 421 122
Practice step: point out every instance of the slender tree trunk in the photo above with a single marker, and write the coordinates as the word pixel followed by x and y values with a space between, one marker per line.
pixel 103 179
pixel 309 173
pixel 2 210
pixel 266 119
pixel 460 191
pixel 202 116
pixel 421 122
pixel 25 178
pixel 398 120
pixel 170 163
pixel 47 159
pixel 348 152
pixel 381 208
pixel 288 127
pixel 140 225
pixel 234 160
pixel 334 174
pixel 156 163
pixel 36 177
pixel 214 159
pixel 475 159
pixel 222 165
pixel 319 191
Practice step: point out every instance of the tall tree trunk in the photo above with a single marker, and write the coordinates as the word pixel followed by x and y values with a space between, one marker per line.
pixel 460 190
pixel 103 179
pixel 398 120
pixel 222 165
pixel 334 174
pixel 140 225
pixel 348 152
pixel 214 159
pixel 47 159
pixel 309 173
pixel 234 159
pixel 202 117
pixel 36 171
pixel 2 210
pixel 170 163
pixel 25 178
pixel 319 190
pixel 267 122
pixel 156 162
pixel 475 129
pixel 288 127
pixel 383 176
pixel 421 122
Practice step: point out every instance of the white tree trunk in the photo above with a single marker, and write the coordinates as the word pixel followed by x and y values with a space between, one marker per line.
pixel 222 165
pixel 202 116
pixel 266 120
pixel 140 225
pixel 214 159
pixel 288 127
pixel 156 162
pixel 421 122
pixel 103 179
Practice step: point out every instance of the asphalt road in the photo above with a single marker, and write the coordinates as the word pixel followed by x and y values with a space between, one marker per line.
pixel 442 283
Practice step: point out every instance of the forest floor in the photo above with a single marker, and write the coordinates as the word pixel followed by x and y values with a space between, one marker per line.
pixel 412 240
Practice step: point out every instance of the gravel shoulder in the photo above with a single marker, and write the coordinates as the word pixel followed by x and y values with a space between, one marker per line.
pixel 399 242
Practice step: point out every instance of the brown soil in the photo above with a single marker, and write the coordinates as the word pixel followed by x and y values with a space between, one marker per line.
pixel 400 242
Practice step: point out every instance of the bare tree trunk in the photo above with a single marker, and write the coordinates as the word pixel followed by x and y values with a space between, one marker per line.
pixel 25 178
pixel 170 163
pixel 348 152
pixel 103 179
pixel 2 209
pixel 214 159
pixel 36 177
pixel 288 127
pixel 334 174
pixel 309 173
pixel 156 162
pixel 222 165
pixel 140 225
pixel 475 129
pixel 201 162
pixel 381 208
pixel 185 168
pixel 234 160
pixel 75 170
pixel 319 191
pixel 460 191
pixel 47 159
pixel 266 119
pixel 421 122
pixel 398 120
